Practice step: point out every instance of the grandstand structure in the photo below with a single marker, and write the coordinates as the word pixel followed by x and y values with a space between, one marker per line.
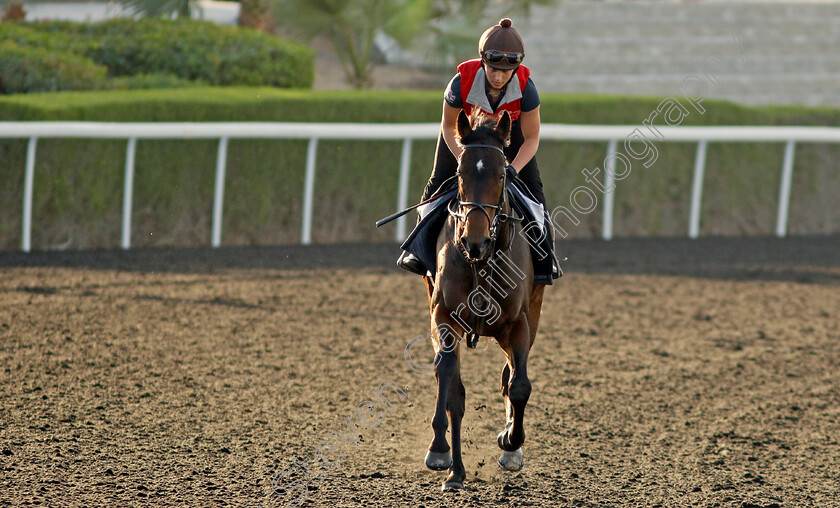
pixel 748 52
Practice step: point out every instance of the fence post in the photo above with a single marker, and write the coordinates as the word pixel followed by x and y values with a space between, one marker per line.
pixel 784 190
pixel 29 183
pixel 609 189
pixel 402 193
pixel 308 192
pixel 128 192
pixel 697 190
pixel 219 195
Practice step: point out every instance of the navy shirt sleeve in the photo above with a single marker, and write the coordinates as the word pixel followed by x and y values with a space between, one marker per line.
pixel 452 96
pixel 530 97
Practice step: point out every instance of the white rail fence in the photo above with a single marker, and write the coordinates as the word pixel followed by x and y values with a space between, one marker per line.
pixel 224 131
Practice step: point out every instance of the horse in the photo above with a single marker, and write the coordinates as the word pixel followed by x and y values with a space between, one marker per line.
pixel 483 286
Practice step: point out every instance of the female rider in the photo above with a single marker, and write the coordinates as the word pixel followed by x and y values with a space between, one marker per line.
pixel 495 82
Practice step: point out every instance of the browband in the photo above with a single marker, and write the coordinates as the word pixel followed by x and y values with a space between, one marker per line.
pixel 494 147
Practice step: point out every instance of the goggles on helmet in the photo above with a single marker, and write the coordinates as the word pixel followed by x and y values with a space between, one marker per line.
pixel 492 56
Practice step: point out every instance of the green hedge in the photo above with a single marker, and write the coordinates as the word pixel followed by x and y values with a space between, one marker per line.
pixel 78 183
pixel 296 105
pixel 23 34
pixel 189 49
pixel 26 69
pixel 148 81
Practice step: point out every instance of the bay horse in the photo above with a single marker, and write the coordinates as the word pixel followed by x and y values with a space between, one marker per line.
pixel 483 286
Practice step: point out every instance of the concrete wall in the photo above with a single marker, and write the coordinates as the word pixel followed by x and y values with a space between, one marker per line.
pixel 225 13
pixel 752 52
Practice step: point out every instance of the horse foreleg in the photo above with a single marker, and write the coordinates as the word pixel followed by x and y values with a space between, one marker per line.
pixel 446 364
pixel 511 461
pixel 518 389
pixel 455 405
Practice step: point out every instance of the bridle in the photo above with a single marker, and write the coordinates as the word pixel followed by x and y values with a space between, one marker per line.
pixel 500 218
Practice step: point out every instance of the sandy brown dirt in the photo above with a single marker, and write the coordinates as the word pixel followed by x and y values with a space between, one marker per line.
pixel 669 372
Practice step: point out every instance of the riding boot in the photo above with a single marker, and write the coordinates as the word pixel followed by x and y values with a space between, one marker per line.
pixel 556 270
pixel 408 261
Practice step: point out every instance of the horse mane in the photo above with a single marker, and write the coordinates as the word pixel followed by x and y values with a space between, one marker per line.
pixel 483 126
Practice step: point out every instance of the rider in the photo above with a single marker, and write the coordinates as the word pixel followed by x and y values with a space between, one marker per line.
pixel 495 82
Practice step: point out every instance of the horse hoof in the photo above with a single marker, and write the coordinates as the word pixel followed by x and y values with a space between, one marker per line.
pixel 452 486
pixel 512 461
pixel 455 481
pixel 438 461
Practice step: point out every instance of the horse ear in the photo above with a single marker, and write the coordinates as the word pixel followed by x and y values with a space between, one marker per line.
pixel 503 127
pixel 464 127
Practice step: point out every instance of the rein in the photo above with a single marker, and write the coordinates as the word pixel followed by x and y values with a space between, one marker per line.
pixel 500 218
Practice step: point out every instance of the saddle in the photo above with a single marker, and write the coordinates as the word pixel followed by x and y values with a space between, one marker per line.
pixel 422 242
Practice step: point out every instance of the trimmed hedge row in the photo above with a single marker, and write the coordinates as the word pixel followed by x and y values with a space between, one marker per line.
pixel 24 34
pixel 78 184
pixel 187 49
pixel 32 69
pixel 393 106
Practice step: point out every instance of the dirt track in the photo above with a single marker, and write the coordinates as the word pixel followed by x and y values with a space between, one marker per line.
pixel 666 372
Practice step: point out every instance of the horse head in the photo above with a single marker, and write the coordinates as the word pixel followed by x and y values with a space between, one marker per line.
pixel 481 182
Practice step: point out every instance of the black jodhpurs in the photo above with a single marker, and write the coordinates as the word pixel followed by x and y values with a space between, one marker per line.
pixel 446 164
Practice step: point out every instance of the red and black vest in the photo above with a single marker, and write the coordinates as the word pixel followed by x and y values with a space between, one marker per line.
pixel 473 93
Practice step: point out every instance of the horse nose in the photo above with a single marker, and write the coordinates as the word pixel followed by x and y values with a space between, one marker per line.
pixel 484 249
pixel 476 249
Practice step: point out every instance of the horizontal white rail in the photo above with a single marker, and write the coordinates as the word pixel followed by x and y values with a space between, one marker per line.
pixel 290 130
pixel 680 133
pixel 217 130
pixel 224 131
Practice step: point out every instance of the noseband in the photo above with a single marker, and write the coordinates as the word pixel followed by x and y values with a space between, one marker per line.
pixel 470 206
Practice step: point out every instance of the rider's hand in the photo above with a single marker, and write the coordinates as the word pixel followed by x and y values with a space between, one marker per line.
pixel 511 171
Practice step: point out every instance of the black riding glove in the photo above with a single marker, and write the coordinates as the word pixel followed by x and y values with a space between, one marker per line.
pixel 511 172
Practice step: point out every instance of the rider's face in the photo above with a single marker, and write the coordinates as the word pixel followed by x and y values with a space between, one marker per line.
pixel 497 78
